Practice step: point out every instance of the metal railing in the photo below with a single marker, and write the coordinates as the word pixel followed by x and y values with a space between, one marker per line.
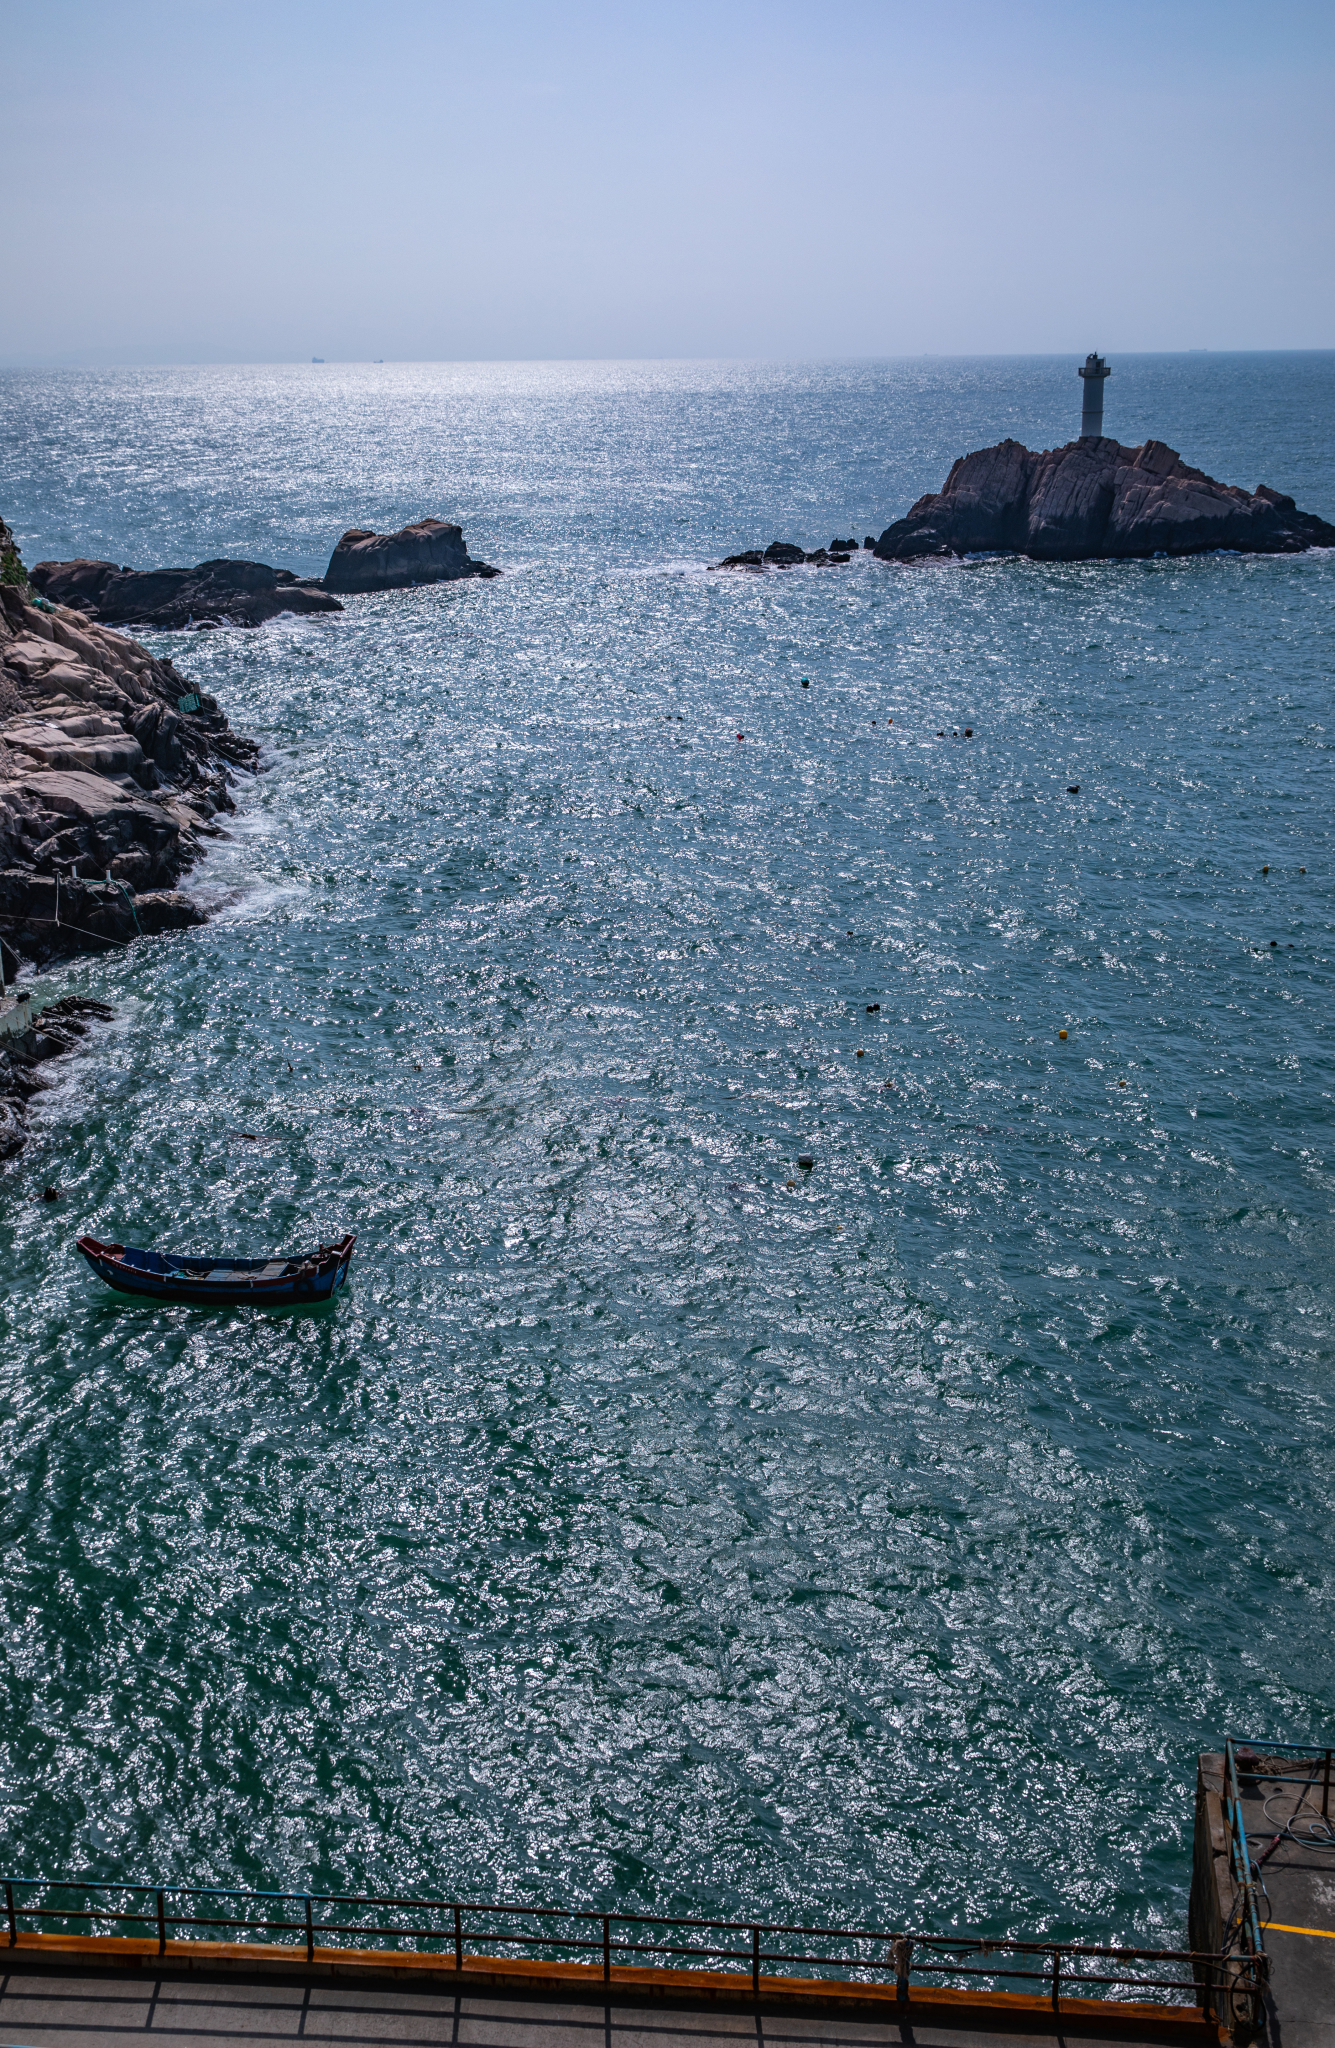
pixel 458 1932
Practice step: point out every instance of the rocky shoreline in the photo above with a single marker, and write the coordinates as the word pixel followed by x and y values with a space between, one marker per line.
pixel 112 773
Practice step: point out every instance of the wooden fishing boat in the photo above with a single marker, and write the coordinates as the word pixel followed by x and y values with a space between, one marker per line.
pixel 197 1277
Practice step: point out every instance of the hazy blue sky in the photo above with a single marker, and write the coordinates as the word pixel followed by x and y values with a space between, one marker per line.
pixel 190 181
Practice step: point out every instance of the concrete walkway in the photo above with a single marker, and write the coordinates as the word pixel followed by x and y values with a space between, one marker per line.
pixel 44 2009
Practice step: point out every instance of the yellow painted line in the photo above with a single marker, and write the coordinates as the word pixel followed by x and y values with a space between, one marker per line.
pixel 1326 1933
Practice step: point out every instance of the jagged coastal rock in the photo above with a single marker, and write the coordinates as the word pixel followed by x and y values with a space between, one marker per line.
pixel 112 770
pixel 1095 500
pixel 220 593
pixel 431 551
pixel 785 554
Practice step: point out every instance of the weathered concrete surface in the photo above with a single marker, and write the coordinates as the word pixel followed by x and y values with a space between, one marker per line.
pixel 1094 500
pixel 1299 1881
pixel 218 593
pixel 430 551
pixel 92 2008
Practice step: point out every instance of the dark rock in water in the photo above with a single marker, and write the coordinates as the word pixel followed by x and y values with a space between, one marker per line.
pixel 780 554
pixel 211 594
pixel 1094 500
pixel 869 540
pixel 429 552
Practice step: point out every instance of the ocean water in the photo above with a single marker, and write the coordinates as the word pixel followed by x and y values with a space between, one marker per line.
pixel 654 1523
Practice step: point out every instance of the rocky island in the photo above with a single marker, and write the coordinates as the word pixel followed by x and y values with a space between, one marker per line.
pixel 112 772
pixel 430 551
pixel 785 554
pixel 1095 500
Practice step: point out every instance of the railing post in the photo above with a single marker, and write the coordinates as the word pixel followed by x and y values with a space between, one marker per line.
pixel 755 1962
pixel 13 1923
pixel 310 1932
pixel 1325 1791
pixel 162 1926
pixel 458 1938
pixel 607 1948
pixel 1056 1979
pixel 902 1950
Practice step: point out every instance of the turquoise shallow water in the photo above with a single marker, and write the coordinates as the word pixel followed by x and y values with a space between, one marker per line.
pixel 640 1528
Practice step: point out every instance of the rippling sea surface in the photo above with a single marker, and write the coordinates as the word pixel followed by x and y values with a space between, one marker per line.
pixel 654 1522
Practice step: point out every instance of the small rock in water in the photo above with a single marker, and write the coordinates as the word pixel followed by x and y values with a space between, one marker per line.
pixel 50 1194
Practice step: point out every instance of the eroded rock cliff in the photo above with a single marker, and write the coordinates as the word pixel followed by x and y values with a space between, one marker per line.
pixel 1095 500
pixel 112 770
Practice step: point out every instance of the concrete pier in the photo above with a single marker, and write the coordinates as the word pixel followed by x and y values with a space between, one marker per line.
pixel 1280 1802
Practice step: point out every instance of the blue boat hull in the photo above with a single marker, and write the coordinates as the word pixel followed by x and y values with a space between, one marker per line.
pixel 211 1282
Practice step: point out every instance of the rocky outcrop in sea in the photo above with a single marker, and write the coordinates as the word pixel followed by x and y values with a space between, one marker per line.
pixel 220 593
pixel 785 554
pixel 430 551
pixel 1095 500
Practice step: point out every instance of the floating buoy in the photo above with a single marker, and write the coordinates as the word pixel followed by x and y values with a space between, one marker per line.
pixel 871 1007
pixel 741 735
pixel 1274 942
pixel 790 1183
pixel 806 682
pixel 862 1055
pixel 806 1162
pixel 1121 1084
pixel 1061 1034
pixel 1073 789
pixel 889 1084
pixel 1265 871
pixel 968 732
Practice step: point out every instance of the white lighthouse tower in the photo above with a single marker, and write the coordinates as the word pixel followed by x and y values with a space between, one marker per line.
pixel 1094 370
